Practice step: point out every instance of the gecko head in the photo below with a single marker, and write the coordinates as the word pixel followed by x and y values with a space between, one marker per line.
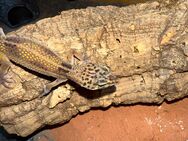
pixel 94 76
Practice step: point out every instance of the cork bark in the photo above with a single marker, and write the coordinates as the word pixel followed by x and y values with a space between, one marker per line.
pixel 145 45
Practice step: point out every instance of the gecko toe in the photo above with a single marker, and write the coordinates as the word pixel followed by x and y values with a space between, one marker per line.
pixel 7 81
pixel 8 84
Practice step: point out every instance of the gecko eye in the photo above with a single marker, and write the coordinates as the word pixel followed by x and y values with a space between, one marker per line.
pixel 102 82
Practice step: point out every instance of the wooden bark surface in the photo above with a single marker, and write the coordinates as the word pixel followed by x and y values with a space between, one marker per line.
pixel 145 44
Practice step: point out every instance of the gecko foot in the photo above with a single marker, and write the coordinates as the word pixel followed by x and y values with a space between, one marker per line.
pixel 45 92
pixel 48 87
pixel 7 81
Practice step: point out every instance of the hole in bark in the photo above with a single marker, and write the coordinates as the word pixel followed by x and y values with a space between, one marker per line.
pixel 19 15
pixel 118 40
pixel 120 56
pixel 136 50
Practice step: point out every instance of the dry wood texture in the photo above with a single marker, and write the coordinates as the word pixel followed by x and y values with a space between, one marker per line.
pixel 145 44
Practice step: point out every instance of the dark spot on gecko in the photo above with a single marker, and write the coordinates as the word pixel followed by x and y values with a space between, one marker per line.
pixel 86 78
pixel 97 70
pixel 90 69
pixel 87 75
pixel 89 65
pixel 93 76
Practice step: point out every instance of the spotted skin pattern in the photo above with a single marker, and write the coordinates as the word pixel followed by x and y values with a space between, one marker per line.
pixel 92 76
pixel 37 57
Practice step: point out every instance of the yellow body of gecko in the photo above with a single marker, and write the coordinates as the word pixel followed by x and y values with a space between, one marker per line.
pixel 37 57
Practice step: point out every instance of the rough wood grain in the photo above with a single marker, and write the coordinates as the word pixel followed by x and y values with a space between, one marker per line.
pixel 145 44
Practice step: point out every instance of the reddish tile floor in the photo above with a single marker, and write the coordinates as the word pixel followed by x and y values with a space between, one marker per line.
pixel 168 122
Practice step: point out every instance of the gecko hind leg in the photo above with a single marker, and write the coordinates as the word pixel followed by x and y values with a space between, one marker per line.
pixel 5 78
pixel 48 87
pixel 7 81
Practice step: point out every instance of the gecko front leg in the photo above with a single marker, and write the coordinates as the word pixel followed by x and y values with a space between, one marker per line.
pixel 5 65
pixel 48 87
